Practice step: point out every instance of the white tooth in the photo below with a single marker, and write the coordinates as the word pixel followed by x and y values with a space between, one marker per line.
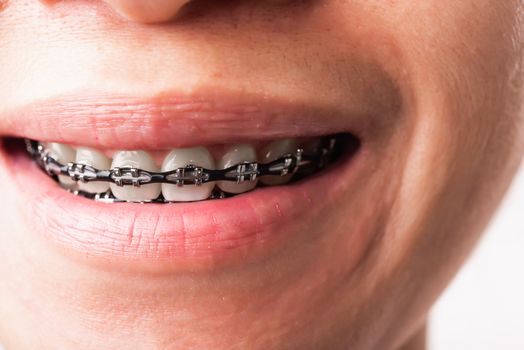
pixel 235 155
pixel 96 159
pixel 63 154
pixel 273 151
pixel 140 160
pixel 179 158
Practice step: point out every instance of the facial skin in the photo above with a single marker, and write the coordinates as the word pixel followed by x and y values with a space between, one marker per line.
pixel 448 138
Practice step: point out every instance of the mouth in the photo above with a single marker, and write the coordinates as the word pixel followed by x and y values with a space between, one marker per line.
pixel 186 205
pixel 185 174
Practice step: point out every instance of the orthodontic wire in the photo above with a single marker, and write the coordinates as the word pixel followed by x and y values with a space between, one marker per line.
pixel 290 163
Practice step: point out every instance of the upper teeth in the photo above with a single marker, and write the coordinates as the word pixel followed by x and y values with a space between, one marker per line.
pixel 178 158
pixel 273 151
pixel 63 154
pixel 89 156
pixel 135 159
pixel 175 159
pixel 235 155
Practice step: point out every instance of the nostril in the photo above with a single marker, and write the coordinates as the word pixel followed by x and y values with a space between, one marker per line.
pixel 147 11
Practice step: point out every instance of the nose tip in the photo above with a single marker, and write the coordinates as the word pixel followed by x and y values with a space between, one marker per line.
pixel 147 11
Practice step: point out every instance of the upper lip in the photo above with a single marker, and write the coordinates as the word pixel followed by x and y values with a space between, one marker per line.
pixel 175 120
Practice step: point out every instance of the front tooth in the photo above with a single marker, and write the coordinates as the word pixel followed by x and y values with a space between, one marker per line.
pixel 63 154
pixel 179 158
pixel 273 151
pixel 235 155
pixel 139 160
pixel 89 156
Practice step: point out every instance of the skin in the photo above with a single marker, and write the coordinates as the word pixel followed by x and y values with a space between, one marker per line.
pixel 436 171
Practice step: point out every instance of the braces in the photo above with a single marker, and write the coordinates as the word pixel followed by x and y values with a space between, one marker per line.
pixel 291 163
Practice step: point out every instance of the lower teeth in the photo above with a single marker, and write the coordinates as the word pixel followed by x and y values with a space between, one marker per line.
pixel 298 164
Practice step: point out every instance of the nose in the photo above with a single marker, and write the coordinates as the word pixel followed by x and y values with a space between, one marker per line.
pixel 147 11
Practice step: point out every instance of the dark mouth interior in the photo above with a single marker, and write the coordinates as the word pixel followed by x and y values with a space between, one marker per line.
pixel 345 147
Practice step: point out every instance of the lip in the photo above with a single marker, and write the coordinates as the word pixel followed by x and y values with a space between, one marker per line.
pixel 106 121
pixel 183 235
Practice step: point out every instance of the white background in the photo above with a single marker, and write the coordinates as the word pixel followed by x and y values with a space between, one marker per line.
pixel 483 308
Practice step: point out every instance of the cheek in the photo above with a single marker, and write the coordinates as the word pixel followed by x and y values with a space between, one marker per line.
pixel 470 48
pixel 463 61
pixel 459 64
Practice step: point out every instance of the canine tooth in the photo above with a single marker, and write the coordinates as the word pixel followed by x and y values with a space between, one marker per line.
pixel 63 154
pixel 235 155
pixel 179 158
pixel 273 151
pixel 89 156
pixel 139 160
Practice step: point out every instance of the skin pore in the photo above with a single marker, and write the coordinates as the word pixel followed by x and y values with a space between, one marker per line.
pixel 442 83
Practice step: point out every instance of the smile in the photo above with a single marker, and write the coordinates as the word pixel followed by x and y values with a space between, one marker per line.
pixel 189 174
pixel 237 190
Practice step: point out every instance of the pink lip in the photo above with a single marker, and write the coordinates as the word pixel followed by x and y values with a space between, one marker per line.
pixel 181 235
pixel 189 234
pixel 125 122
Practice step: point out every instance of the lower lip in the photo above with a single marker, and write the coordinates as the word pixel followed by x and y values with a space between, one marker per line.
pixel 185 235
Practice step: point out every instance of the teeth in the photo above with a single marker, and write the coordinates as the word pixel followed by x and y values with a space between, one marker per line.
pixel 273 151
pixel 96 159
pixel 139 160
pixel 236 155
pixel 179 158
pixel 63 154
